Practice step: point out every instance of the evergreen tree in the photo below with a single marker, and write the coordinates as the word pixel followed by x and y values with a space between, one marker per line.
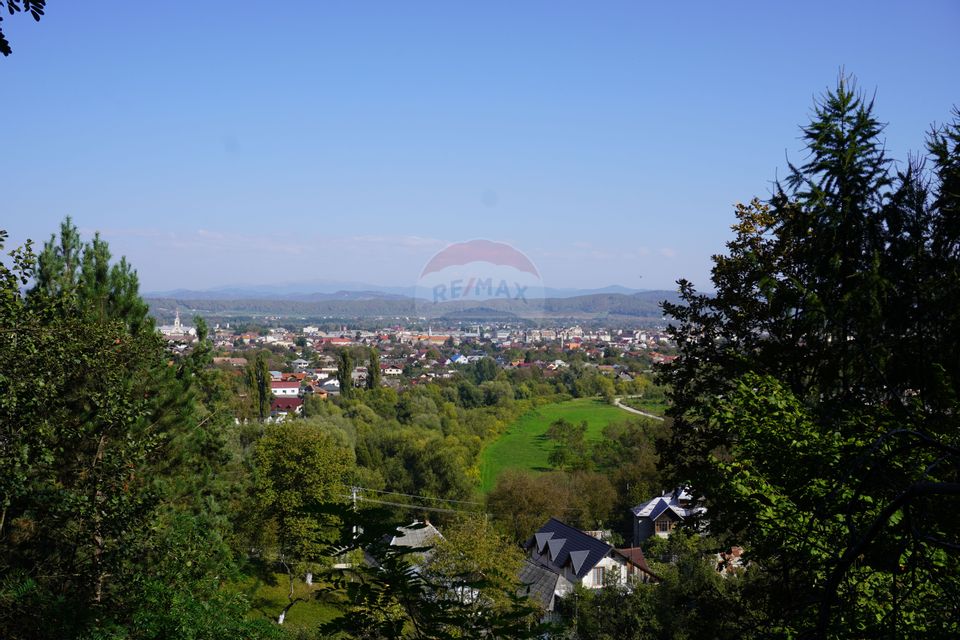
pixel 71 273
pixel 826 341
pixel 93 420
pixel 391 598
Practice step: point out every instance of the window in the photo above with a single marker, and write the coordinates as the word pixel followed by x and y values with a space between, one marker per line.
pixel 598 575
pixel 664 526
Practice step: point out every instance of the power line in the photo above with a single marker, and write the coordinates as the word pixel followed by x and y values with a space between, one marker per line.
pixel 357 497
pixel 418 507
pixel 410 495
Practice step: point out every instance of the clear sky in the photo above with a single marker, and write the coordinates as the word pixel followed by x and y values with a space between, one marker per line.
pixel 225 142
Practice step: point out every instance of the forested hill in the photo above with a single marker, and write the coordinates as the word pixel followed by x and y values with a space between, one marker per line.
pixel 644 305
pixel 641 305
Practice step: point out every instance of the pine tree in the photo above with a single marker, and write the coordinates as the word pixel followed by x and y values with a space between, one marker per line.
pixel 71 273
pixel 828 341
pixel 100 443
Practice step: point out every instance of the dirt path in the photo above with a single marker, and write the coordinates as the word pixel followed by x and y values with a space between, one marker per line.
pixel 620 405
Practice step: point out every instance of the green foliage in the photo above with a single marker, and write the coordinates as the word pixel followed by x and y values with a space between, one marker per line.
pixel 870 497
pixel 258 385
pixel 104 461
pixel 79 411
pixel 391 598
pixel 181 594
pixel 606 389
pixel 690 600
pixel 72 276
pixel 472 549
pixel 524 445
pixel 521 502
pixel 485 369
pixel 345 374
pixel 300 469
pixel 828 345
pixel 299 466
pixel 627 454
pixel 373 370
pixel 570 450
pixel 34 7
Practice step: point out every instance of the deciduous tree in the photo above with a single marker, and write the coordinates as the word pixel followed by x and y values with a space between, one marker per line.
pixel 258 384
pixel 300 468
pixel 345 374
pixel 373 371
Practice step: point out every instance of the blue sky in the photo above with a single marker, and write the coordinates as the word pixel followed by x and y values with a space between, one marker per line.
pixel 216 143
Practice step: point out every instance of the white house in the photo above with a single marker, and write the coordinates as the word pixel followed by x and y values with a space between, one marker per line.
pixel 561 556
pixel 285 389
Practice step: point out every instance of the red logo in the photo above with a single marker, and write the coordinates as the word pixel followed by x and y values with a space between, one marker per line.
pixel 477 277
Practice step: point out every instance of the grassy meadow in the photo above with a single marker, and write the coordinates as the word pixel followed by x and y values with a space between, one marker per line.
pixel 524 445
pixel 268 595
pixel 657 405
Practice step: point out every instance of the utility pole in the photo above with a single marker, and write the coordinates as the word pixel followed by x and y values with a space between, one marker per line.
pixel 353 497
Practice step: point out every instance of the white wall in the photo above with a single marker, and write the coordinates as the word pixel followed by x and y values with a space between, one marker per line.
pixel 613 567
pixel 286 393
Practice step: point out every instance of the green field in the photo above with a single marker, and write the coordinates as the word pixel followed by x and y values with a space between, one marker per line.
pixel 524 445
pixel 267 599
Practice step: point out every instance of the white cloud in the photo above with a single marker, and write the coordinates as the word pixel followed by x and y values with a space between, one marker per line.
pixel 400 241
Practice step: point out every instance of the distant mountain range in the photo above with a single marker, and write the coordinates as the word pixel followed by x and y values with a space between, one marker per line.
pixel 321 291
pixel 642 305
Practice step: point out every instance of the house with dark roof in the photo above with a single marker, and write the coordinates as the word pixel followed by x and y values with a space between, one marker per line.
pixel 661 515
pixel 561 556
pixel 285 406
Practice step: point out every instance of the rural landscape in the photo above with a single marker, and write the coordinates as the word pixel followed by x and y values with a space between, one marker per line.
pixel 386 423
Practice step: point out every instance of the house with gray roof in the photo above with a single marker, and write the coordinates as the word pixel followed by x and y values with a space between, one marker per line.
pixel 417 535
pixel 561 556
pixel 661 515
